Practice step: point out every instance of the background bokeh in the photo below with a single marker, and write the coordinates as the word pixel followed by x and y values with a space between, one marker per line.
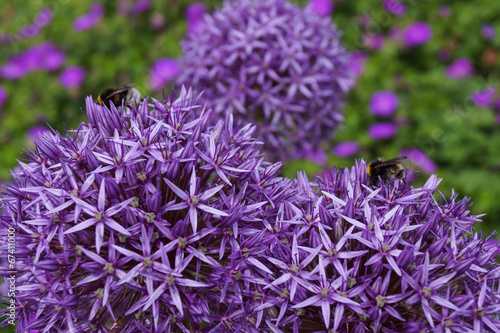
pixel 435 62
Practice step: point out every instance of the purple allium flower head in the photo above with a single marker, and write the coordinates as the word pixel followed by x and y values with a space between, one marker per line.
pixel 382 130
pixel 459 69
pixel 357 63
pixel 163 71
pixel 444 11
pixel 417 33
pixel 144 214
pixel 281 67
pixel 3 96
pixel 321 7
pixel 418 158
pixel 394 7
pixel 488 31
pixel 346 149
pixel 484 98
pixel 194 15
pixel 72 77
pixel 350 257
pixel 384 103
pixel 89 20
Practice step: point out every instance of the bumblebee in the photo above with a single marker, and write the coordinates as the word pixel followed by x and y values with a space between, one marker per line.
pixel 385 169
pixel 126 92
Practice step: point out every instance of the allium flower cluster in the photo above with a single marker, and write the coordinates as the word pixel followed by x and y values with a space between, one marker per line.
pixel 347 257
pixel 143 220
pixel 273 64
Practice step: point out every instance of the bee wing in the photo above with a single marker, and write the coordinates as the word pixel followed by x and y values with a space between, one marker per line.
pixel 120 89
pixel 393 161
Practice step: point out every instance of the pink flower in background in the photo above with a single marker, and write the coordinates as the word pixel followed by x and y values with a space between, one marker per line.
pixel 72 77
pixel 394 7
pixel 373 41
pixel 488 31
pixel 382 130
pixel 346 149
pixel 357 63
pixel 163 71
pixel 417 33
pixel 90 19
pixel 321 7
pixel 384 103
pixel 459 69
pixel 421 160
pixel 483 98
pixel 194 15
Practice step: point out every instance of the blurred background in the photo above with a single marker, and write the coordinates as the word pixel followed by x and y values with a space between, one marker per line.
pixel 427 79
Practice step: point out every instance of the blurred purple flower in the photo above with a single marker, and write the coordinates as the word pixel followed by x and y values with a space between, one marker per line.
pixel 267 69
pixel 346 149
pixel 417 33
pixel 421 160
pixel 13 69
pixel 157 21
pixel 384 103
pixel 44 56
pixel 382 130
pixel 72 77
pixel 44 17
pixel 459 69
pixel 140 6
pixel 36 132
pixel 498 118
pixel 394 7
pixel 194 15
pixel 321 7
pixel 317 156
pixel 3 96
pixel 90 19
pixel 488 31
pixel 357 63
pixel 483 98
pixel 373 41
pixel 54 59
pixel 29 31
pixel 444 11
pixel 396 34
pixel 163 71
